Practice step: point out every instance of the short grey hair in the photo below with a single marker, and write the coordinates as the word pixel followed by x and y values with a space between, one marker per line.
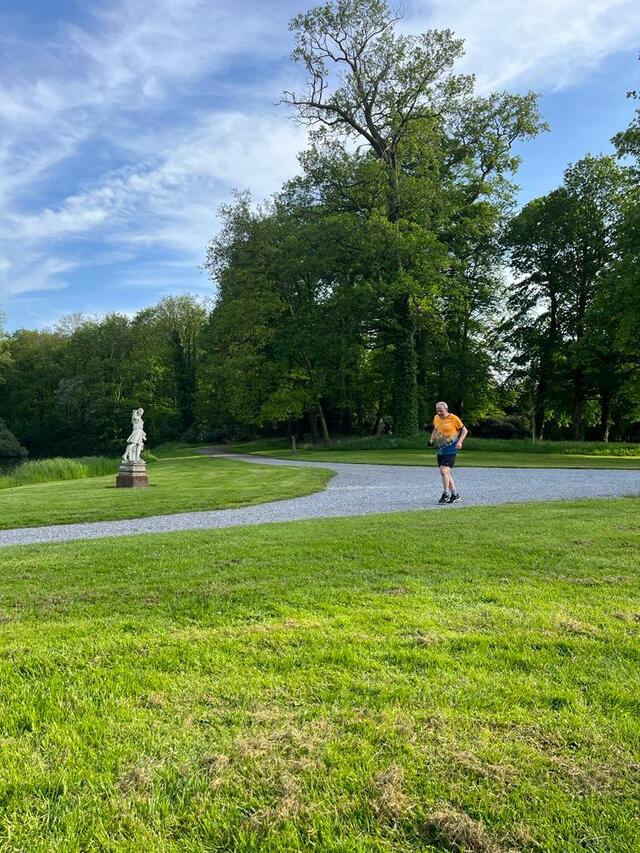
pixel 441 403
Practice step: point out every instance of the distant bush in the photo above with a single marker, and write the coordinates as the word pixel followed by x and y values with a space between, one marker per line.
pixel 59 468
pixel 10 447
pixel 505 427
pixel 565 448
pixel 373 442
pixel 474 442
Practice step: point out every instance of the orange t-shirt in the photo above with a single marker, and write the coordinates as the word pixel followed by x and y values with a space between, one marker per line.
pixel 447 428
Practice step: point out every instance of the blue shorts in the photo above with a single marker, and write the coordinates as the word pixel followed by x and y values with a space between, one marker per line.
pixel 448 460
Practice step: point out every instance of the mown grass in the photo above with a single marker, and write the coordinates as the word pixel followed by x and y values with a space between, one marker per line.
pixel 176 485
pixel 477 452
pixel 173 450
pixel 58 468
pixel 417 682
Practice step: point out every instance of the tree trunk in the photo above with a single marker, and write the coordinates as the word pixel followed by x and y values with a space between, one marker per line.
pixel 424 406
pixel 538 420
pixel 462 368
pixel 323 423
pixel 578 405
pixel 405 384
pixel 605 414
pixel 347 421
pixel 405 388
pixel 539 407
pixel 313 425
pixel 378 420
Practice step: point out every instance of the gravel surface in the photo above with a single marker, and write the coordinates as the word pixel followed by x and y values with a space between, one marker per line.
pixel 362 490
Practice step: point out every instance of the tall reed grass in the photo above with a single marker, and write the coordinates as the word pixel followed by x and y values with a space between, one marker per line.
pixel 58 468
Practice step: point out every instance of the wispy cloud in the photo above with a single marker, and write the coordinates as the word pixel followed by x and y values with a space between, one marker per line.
pixel 135 68
pixel 545 43
pixel 171 199
pixel 40 273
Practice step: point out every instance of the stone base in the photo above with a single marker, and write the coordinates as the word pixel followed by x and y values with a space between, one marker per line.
pixel 132 475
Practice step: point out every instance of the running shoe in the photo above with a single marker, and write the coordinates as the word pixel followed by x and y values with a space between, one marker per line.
pixel 444 499
pixel 454 497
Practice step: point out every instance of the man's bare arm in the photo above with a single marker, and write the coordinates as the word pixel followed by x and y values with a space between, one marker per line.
pixel 461 437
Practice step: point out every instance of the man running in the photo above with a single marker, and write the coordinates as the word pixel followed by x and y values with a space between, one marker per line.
pixel 448 434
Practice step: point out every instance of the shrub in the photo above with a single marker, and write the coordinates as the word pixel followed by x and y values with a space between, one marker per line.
pixel 506 427
pixel 10 447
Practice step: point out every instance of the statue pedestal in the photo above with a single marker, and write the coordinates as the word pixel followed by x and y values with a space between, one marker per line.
pixel 132 475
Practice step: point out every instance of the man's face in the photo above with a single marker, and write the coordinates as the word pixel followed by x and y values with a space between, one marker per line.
pixel 442 411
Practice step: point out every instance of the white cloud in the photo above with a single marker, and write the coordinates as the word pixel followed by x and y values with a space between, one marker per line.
pixel 72 218
pixel 173 200
pixel 549 43
pixel 120 83
pixel 36 274
pixel 139 56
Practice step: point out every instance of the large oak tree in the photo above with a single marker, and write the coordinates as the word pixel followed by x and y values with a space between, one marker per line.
pixel 399 97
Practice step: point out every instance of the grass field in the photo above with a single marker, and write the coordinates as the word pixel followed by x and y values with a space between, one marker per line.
pixel 176 485
pixel 484 453
pixel 414 682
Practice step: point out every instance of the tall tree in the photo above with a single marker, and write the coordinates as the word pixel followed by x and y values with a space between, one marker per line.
pixel 561 249
pixel 5 355
pixel 398 96
pixel 28 397
pixel 178 323
pixel 595 188
pixel 537 258
pixel 282 317
pixel 626 281
pixel 103 368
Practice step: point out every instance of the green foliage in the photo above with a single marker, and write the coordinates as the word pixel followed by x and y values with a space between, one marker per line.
pixel 502 427
pixel 432 176
pixel 5 355
pixel 625 279
pixel 561 325
pixel 10 447
pixel 72 389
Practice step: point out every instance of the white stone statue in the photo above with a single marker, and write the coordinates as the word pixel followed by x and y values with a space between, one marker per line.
pixel 135 442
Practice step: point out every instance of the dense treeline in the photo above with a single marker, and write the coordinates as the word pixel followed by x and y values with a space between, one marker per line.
pixel 70 390
pixel 392 272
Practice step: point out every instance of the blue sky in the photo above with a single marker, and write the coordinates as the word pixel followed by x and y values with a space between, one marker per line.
pixel 125 124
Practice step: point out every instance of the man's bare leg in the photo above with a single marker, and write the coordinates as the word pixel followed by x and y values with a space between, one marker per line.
pixel 452 485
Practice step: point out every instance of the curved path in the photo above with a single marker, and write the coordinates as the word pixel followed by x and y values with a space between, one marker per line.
pixel 361 490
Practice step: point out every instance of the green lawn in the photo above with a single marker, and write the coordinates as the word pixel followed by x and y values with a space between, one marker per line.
pixel 412 682
pixel 176 485
pixel 477 453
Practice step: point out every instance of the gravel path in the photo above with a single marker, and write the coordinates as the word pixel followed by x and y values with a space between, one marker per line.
pixel 362 490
